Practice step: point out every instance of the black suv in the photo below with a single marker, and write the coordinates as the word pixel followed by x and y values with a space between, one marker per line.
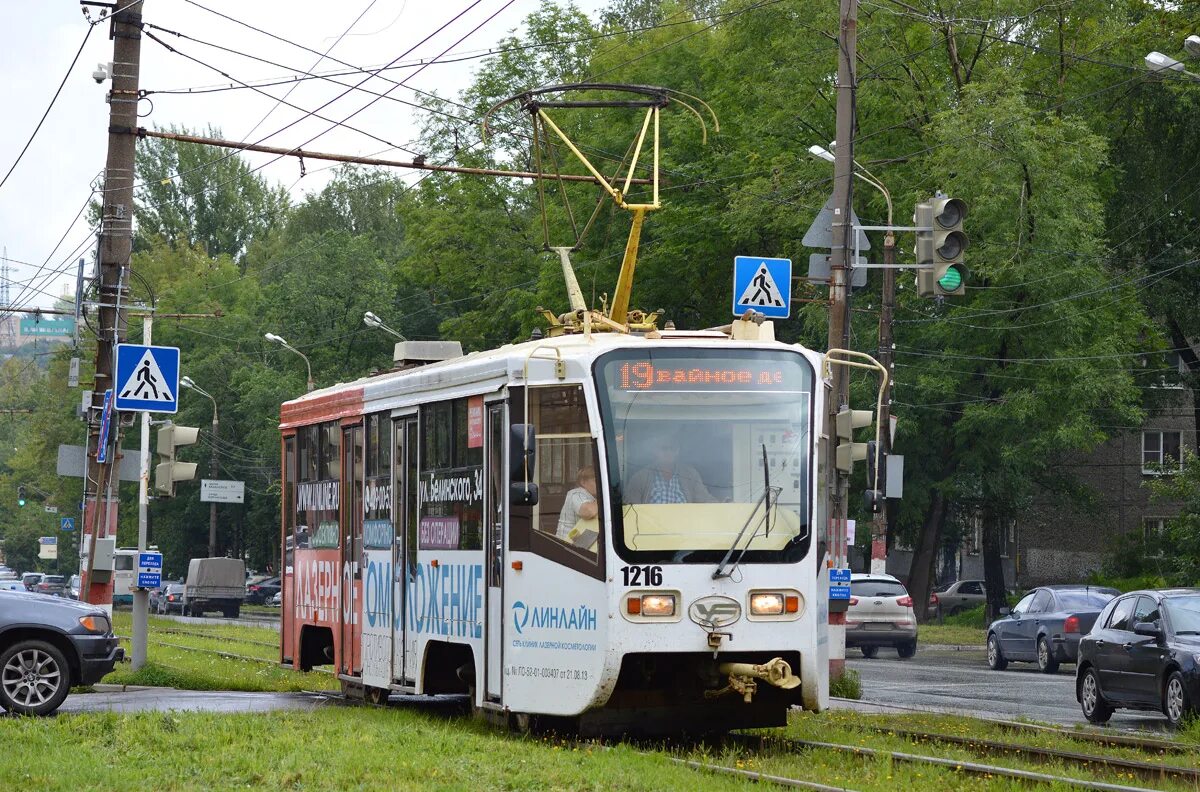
pixel 1143 653
pixel 47 646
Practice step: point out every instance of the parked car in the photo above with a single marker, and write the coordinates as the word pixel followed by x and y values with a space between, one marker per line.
pixel 1045 626
pixel 170 599
pixel 260 593
pixel 277 599
pixel 961 595
pixel 880 614
pixel 47 646
pixel 54 585
pixel 73 587
pixel 1142 654
pixel 31 579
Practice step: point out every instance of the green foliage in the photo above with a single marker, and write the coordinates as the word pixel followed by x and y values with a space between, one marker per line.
pixel 848 685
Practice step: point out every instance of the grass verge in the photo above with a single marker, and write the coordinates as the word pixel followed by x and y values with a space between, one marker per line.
pixel 185 656
pixel 954 634
pixel 848 685
pixel 334 748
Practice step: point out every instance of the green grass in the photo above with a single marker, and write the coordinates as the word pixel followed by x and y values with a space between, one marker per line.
pixel 849 685
pixel 334 748
pixel 198 667
pixel 955 634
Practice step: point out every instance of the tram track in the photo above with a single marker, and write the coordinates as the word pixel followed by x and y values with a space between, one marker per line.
pixel 794 745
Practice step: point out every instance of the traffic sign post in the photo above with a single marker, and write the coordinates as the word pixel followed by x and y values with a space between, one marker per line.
pixel 763 285
pixel 147 378
pixel 149 570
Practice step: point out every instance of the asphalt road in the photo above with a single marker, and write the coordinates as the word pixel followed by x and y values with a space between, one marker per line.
pixel 962 683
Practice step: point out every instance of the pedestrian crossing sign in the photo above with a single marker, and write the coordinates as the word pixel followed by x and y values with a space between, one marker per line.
pixel 763 285
pixel 147 378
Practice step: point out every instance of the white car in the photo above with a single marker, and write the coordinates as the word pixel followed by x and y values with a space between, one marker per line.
pixel 880 614
pixel 277 600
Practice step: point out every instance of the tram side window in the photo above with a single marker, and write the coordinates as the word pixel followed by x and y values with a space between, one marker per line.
pixel 317 485
pixel 451 482
pixel 568 511
pixel 289 501
pixel 378 529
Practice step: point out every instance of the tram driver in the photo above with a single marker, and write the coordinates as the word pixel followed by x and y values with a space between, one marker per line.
pixel 579 504
pixel 666 479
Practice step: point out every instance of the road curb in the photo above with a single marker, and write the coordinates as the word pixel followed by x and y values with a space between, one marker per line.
pixel 952 647
pixel 106 688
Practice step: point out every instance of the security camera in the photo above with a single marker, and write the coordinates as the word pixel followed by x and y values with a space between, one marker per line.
pixel 102 73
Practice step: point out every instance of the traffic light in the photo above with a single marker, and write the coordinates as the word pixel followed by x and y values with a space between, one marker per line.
pixel 168 470
pixel 940 250
pixel 848 451
pixel 876 478
pixel 21 495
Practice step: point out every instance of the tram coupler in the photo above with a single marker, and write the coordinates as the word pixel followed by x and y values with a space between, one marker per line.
pixel 776 672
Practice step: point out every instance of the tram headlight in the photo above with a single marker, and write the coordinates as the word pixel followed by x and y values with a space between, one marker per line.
pixel 766 604
pixel 658 604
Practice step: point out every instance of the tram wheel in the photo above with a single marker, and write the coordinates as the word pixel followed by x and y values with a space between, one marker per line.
pixel 521 722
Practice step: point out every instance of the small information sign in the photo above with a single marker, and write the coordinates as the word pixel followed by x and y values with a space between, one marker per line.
pixel 839 584
pixel 149 570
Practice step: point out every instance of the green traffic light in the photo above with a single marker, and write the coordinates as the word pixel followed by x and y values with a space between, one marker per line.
pixel 952 280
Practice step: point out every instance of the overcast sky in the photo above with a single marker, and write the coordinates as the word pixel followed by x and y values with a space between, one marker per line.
pixel 53 180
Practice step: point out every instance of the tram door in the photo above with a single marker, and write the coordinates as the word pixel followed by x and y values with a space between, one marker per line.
pixel 494 511
pixel 351 548
pixel 404 511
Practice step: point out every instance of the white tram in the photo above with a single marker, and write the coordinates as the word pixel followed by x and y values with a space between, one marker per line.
pixel 610 532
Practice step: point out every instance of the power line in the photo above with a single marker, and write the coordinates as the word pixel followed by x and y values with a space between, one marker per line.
pixel 53 99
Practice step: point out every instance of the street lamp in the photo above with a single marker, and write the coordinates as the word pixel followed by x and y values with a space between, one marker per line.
pixel 861 172
pixel 1159 64
pixel 274 339
pixel 189 383
pixel 371 320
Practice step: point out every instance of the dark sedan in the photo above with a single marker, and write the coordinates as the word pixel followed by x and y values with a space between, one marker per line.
pixel 260 593
pixel 47 646
pixel 1143 653
pixel 1045 626
pixel 170 599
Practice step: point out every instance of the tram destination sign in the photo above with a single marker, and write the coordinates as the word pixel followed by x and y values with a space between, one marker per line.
pixel 705 374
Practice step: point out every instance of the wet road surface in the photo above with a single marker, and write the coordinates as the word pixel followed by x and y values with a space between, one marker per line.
pixel 962 683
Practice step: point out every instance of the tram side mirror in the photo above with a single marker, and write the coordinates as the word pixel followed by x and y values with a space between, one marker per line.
pixel 522 494
pixel 522 452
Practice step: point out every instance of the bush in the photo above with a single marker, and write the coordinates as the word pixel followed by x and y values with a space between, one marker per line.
pixel 847 686
pixel 1133 583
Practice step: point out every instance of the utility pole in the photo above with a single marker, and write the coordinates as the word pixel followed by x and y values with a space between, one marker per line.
pixel 141 597
pixel 839 312
pixel 213 471
pixel 885 358
pixel 116 245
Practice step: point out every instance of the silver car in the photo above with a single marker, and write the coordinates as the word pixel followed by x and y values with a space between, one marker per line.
pixel 959 596
pixel 880 614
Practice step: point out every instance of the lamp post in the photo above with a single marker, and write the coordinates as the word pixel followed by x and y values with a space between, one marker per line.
pixel 187 382
pixel 886 344
pixel 279 340
pixel 371 320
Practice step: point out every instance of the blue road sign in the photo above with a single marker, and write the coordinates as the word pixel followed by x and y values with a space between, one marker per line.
pixel 66 524
pixel 763 285
pixel 839 592
pixel 105 426
pixel 147 378
pixel 149 570
pixel 839 575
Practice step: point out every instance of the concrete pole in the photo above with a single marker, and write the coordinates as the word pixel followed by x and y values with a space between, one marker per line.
pixel 141 597
pixel 885 357
pixel 116 245
pixel 839 296
pixel 212 471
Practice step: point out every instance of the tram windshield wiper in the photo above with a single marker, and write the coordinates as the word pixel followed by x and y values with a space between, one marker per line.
pixel 768 495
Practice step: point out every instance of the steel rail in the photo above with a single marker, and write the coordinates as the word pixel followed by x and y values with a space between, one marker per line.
pixel 973 768
pixel 753 775
pixel 993 746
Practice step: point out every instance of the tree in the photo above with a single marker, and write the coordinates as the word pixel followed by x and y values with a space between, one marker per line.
pixel 202 196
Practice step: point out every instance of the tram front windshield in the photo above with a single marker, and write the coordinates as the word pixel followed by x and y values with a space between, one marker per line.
pixel 699 443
